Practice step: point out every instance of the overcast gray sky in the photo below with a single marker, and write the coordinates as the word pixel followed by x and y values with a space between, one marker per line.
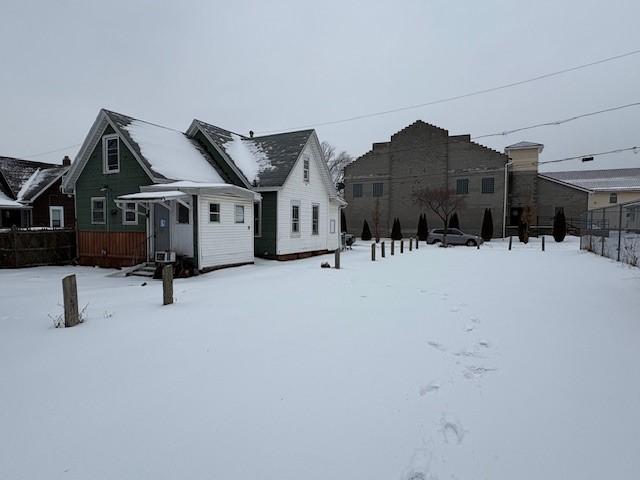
pixel 268 65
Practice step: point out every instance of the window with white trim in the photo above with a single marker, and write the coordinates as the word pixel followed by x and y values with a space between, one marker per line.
pixel 315 219
pixel 130 214
pixel 214 213
pixel 111 154
pixel 306 168
pixel 239 213
pixel 56 217
pixel 98 210
pixel 295 218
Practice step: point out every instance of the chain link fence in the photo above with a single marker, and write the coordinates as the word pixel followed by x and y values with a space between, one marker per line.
pixel 613 232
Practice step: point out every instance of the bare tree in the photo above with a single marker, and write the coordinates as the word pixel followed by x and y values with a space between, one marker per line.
pixel 441 201
pixel 335 161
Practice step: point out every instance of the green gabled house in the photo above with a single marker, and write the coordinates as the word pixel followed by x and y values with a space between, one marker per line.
pixel 144 192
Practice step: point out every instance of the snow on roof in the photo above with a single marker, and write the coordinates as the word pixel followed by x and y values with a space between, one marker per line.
pixel 171 153
pixel 153 195
pixel 615 179
pixel 6 202
pixel 184 184
pixel 248 157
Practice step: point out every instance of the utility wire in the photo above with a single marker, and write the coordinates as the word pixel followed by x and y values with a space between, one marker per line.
pixel 50 151
pixel 458 97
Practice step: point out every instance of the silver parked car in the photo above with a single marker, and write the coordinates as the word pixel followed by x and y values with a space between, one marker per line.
pixel 454 237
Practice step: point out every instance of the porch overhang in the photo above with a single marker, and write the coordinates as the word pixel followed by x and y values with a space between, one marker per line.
pixel 201 188
pixel 152 197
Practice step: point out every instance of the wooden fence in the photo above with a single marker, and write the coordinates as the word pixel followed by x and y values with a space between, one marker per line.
pixel 30 248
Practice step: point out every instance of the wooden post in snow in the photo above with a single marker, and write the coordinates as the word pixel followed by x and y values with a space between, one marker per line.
pixel 337 261
pixel 510 242
pixel 373 252
pixel 393 244
pixel 167 285
pixel 401 246
pixel 382 250
pixel 70 295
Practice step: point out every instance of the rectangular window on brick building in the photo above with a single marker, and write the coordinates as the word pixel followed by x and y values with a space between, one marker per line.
pixel 488 185
pixel 378 189
pixel 357 190
pixel 462 186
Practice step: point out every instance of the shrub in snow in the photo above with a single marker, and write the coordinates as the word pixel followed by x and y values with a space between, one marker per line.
pixel 366 232
pixel 487 225
pixel 559 226
pixel 396 231
pixel 423 229
pixel 454 222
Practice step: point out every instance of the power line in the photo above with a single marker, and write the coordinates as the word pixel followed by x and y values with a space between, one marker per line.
pixel 557 122
pixel 458 97
pixel 50 151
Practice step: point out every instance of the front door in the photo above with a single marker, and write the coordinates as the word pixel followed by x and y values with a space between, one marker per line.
pixel 161 229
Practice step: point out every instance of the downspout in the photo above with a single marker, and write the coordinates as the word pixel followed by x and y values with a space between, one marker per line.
pixel 504 204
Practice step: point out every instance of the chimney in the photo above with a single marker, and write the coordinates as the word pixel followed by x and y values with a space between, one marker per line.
pixel 250 133
pixel 66 161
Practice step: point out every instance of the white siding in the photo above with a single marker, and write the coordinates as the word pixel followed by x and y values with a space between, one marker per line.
pixel 308 194
pixel 227 242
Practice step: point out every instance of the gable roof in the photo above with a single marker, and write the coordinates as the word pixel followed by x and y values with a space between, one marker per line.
pixel 27 179
pixel 524 146
pixel 264 161
pixel 610 180
pixel 165 154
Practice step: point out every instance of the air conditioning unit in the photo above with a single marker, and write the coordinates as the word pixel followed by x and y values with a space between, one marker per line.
pixel 165 257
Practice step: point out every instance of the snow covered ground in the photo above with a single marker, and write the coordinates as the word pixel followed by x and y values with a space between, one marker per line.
pixel 448 364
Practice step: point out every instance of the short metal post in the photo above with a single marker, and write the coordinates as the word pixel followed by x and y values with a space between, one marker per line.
pixel 382 250
pixel 510 241
pixel 417 243
pixel 410 244
pixel 619 232
pixel 373 252
pixel 543 243
pixel 393 244
pixel 604 219
pixel 337 260
pixel 401 246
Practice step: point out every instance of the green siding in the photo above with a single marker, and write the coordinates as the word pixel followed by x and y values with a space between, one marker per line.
pixel 265 246
pixel 128 180
pixel 228 174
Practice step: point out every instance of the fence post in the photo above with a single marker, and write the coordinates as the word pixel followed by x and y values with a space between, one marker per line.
pixel 393 244
pixel 70 295
pixel 619 232
pixel 167 285
pixel 337 260
pixel 382 250
pixel 373 252
pixel 401 246
pixel 510 241
pixel 604 219
pixel 543 243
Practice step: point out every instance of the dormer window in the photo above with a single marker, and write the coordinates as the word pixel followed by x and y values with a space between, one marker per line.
pixel 306 169
pixel 111 154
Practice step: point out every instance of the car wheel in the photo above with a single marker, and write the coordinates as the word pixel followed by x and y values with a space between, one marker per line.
pixel 471 243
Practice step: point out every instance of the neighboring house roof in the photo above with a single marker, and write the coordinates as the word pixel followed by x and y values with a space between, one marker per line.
pixel 611 180
pixel 28 179
pixel 524 146
pixel 165 154
pixel 263 161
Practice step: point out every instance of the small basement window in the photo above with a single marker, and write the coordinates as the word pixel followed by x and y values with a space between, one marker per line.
pixel 97 210
pixel 130 214
pixel 239 216
pixel 111 154
pixel 183 214
pixel 214 213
